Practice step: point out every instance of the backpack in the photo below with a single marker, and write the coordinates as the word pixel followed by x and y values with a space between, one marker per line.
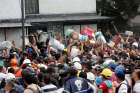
pixel 128 88
pixel 39 91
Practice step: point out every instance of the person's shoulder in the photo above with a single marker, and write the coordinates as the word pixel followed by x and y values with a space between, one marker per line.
pixel 136 87
pixel 49 86
pixel 2 90
pixel 28 91
pixel 33 87
pixel 3 74
pixel 123 87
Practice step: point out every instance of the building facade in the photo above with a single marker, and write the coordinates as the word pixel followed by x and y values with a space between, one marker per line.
pixel 47 15
pixel 59 15
pixel 10 21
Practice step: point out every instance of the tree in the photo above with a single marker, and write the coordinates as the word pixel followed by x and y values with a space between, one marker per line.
pixel 121 10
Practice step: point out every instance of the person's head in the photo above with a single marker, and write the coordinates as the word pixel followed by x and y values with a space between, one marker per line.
pixel 136 75
pixel 13 63
pixel 1 68
pixel 11 70
pixel 41 77
pixel 91 77
pixel 120 73
pixel 106 73
pixel 97 69
pixel 112 66
pixel 29 76
pixel 50 70
pixel 83 75
pixel 72 71
pixel 9 85
pixel 47 79
pixel 77 66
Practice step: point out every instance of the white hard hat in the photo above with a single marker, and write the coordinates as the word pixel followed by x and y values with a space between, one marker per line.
pixel 135 44
pixel 77 66
pixel 108 61
pixel 26 61
pixel 76 59
pixel 42 66
pixel 90 76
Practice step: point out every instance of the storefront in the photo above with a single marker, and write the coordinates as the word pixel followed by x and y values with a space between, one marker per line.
pixel 61 23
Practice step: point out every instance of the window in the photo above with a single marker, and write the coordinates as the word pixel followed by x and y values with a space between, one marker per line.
pixel 78 28
pixel 31 7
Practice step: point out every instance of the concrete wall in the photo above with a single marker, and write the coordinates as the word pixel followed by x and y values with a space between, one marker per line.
pixel 2 35
pixel 11 34
pixel 67 6
pixel 10 9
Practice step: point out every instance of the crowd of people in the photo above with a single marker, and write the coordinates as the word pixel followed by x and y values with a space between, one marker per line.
pixel 89 66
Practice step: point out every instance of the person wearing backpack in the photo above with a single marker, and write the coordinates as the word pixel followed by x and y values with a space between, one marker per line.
pixel 76 84
pixel 30 80
pixel 106 84
pixel 123 86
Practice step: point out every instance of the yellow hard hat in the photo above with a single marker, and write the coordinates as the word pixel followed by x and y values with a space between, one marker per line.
pixel 107 73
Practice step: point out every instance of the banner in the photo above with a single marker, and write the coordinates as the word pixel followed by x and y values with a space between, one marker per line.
pixel 129 33
pixel 68 32
pixel 5 44
pixel 87 31
pixel 56 44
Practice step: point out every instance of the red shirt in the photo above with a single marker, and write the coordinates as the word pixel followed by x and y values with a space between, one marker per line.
pixel 104 88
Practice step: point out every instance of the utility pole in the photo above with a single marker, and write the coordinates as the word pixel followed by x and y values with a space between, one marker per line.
pixel 23 23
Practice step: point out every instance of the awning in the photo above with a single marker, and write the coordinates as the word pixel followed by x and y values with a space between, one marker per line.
pixel 64 17
pixel 12 23
pixel 9 25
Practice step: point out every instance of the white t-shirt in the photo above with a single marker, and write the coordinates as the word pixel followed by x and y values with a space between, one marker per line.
pixel 2 76
pixel 123 88
pixel 74 52
pixel 10 76
pixel 136 88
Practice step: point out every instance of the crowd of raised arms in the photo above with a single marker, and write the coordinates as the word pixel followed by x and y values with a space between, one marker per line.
pixel 99 63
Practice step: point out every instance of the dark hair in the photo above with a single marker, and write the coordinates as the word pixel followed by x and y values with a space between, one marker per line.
pixel 47 79
pixel 29 76
pixel 138 73
pixel 83 75
pixel 50 70
pixel 31 79
pixel 1 68
pixel 11 70
pixel 121 77
pixel 40 77
pixel 73 72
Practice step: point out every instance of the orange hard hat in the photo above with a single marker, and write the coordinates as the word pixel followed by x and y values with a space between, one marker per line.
pixel 13 62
